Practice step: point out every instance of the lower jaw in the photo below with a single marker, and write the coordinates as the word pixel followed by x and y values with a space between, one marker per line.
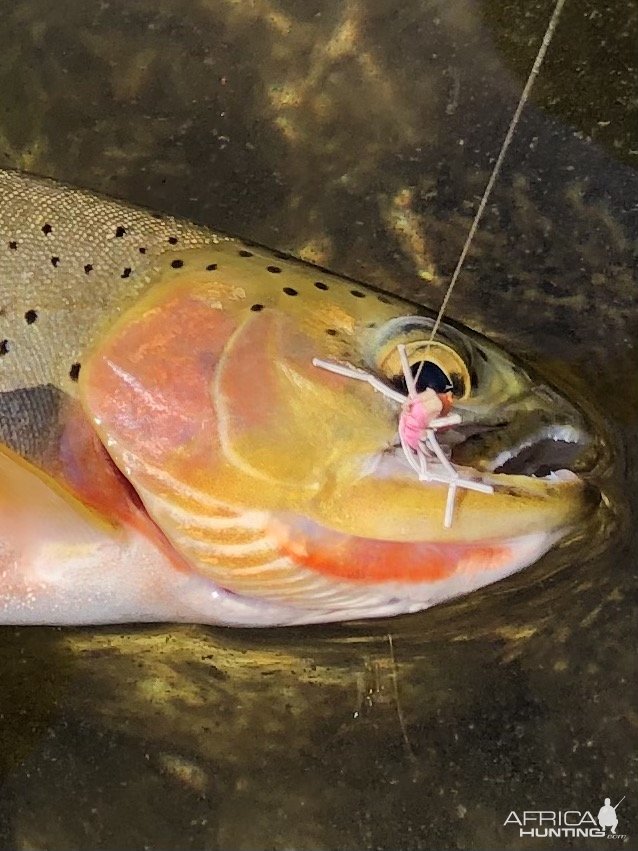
pixel 345 557
pixel 376 599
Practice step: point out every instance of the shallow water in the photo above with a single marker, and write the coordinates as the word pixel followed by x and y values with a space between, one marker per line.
pixel 358 135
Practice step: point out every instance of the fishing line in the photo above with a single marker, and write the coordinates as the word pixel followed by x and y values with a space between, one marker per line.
pixel 533 74
pixel 417 426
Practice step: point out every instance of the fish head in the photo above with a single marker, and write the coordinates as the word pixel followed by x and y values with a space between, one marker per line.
pixel 283 482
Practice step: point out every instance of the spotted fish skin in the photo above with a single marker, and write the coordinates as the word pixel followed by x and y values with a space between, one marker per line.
pixel 168 451
pixel 69 261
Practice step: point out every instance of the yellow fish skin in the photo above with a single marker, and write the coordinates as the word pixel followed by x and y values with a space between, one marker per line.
pixel 168 450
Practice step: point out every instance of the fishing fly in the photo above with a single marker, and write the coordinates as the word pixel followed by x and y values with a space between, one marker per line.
pixel 420 418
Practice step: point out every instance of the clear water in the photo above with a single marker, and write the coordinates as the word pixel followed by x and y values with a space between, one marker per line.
pixel 357 134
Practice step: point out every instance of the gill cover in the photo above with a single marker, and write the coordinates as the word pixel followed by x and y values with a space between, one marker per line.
pixel 216 415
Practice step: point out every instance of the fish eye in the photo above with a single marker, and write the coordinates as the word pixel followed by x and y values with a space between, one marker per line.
pixel 433 365
pixel 426 374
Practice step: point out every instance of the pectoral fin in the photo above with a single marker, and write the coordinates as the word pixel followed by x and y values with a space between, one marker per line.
pixel 63 562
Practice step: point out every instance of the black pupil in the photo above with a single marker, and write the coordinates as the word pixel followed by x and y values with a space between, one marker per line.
pixel 430 375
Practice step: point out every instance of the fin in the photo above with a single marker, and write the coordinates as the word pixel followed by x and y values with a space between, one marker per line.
pixel 44 531
pixel 27 493
pixel 63 562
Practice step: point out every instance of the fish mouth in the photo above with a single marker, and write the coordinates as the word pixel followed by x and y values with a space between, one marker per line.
pixel 551 451
pixel 542 481
pixel 548 452
pixel 555 453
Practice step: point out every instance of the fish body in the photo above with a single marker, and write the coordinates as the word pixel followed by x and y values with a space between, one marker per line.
pixel 169 450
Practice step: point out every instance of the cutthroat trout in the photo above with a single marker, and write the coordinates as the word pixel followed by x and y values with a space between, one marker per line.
pixel 168 450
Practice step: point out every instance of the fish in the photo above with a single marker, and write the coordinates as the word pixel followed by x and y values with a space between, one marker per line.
pixel 169 450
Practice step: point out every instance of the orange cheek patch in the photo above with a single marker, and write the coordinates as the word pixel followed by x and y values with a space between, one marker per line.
pixel 371 561
pixel 148 384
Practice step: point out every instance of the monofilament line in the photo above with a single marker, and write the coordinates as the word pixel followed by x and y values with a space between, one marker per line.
pixel 533 74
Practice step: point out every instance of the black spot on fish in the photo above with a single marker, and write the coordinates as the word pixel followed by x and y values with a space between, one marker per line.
pixel 274 269
pixel 243 252
pixel 331 331
pixel 177 264
pixel 46 229
pixel 384 299
pixel 371 325
pixel 173 240
pixel 357 294
pixel 211 267
pixel 30 316
pixel 321 286
pixel 88 268
pixel 290 291
pixel 55 261
pixel 126 272
pixel 13 245
pixel 4 347
pixel 120 231
pixel 74 372
pixel 256 307
pixel 141 249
